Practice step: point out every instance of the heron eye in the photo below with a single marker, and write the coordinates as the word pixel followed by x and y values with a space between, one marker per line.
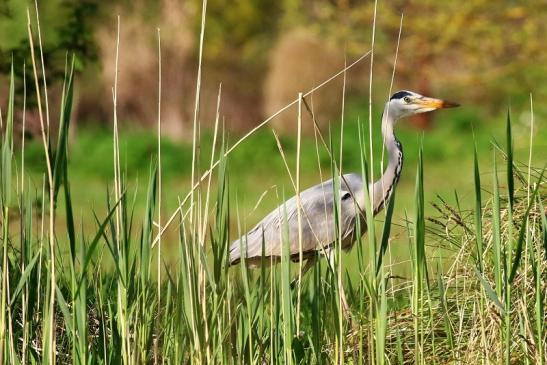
pixel 406 99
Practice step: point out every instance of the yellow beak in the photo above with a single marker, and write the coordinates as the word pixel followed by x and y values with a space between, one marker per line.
pixel 435 103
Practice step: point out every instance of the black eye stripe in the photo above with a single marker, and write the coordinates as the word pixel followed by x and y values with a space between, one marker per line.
pixel 400 95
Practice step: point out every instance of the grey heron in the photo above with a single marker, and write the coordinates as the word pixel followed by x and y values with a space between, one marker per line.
pixel 317 226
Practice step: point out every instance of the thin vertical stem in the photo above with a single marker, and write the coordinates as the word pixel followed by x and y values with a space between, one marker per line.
pixel 43 65
pixel 195 147
pixel 121 287
pixel 23 231
pixel 50 335
pixel 195 162
pixel 159 168
pixel 391 90
pixel 299 212
pixel 5 273
pixel 370 103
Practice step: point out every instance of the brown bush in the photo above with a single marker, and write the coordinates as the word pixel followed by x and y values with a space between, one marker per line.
pixel 138 69
pixel 299 61
pixel 138 74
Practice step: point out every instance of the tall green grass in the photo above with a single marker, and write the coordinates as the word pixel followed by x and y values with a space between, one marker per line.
pixel 475 294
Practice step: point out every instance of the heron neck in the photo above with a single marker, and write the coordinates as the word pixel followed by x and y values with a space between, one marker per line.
pixel 383 188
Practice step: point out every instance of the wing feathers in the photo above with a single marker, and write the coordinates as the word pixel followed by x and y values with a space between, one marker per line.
pixel 317 218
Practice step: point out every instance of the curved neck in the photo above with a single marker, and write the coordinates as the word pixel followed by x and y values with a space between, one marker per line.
pixel 383 188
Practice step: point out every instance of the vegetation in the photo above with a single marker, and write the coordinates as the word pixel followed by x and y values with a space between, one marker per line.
pixel 265 52
pixel 144 275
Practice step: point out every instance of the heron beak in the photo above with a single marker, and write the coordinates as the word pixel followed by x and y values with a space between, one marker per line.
pixel 432 103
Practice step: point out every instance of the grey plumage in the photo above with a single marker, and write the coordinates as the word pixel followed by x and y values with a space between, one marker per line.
pixel 318 223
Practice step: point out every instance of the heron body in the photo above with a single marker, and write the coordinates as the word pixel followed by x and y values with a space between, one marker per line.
pixel 319 227
pixel 318 224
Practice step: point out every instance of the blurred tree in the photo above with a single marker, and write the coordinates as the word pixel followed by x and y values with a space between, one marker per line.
pixel 240 31
pixel 238 38
pixel 481 48
pixel 66 27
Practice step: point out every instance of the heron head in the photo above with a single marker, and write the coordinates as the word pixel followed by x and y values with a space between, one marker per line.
pixel 406 103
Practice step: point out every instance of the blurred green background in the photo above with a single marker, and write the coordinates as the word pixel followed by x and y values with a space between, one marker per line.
pixel 487 55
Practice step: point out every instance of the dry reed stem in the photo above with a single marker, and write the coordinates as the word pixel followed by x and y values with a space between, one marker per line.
pixel 45 134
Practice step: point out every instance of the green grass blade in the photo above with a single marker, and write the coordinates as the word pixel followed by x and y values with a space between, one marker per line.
pixel 64 309
pixel 544 226
pixel 419 262
pixel 490 292
pixel 446 314
pixel 496 223
pixel 69 215
pixel 100 233
pixel 61 152
pixel 7 147
pixel 385 233
pixel 148 225
pixel 522 232
pixel 510 179
pixel 478 209
pixel 23 279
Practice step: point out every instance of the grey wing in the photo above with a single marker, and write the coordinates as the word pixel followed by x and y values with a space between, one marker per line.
pixel 317 217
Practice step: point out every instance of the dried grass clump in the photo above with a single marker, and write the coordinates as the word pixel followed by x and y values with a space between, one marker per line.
pixel 461 321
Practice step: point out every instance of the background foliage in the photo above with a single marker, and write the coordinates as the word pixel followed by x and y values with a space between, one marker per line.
pixel 478 51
